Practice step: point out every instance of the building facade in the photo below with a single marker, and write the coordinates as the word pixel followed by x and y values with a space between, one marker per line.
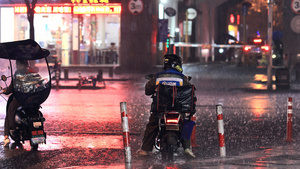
pixel 77 32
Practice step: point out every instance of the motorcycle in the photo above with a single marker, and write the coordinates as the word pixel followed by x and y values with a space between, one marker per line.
pixel 30 89
pixel 89 80
pixel 174 105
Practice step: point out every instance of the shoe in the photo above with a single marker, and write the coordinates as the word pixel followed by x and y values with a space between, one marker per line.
pixel 142 152
pixel 189 152
pixel 6 142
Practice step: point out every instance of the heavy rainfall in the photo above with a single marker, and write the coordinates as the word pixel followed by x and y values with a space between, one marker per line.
pixel 100 53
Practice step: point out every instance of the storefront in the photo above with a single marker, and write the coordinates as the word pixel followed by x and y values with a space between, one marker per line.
pixel 76 32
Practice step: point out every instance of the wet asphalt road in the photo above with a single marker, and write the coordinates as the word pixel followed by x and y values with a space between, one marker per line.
pixel 84 126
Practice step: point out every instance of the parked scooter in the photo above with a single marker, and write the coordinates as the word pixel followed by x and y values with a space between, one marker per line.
pixel 175 106
pixel 30 88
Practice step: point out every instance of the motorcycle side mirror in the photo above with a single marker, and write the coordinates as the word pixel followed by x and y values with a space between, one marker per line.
pixel 150 76
pixel 4 78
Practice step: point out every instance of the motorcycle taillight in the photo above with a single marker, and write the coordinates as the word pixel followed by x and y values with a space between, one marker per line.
pixel 172 121
pixel 172 118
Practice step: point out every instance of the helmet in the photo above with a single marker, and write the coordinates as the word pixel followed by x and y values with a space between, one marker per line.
pixel 173 61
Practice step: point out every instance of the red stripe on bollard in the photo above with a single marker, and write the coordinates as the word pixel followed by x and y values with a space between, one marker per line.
pixel 220 117
pixel 123 114
pixel 289 130
pixel 221 140
pixel 126 140
pixel 221 131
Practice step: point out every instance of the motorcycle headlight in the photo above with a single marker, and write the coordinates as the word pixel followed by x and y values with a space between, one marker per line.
pixel 221 50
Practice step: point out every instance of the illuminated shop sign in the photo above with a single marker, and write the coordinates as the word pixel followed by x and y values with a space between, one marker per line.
pixel 89 1
pixel 100 9
pixel 97 9
pixel 45 9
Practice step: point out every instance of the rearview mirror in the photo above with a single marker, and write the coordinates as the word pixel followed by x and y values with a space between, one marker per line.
pixel 4 78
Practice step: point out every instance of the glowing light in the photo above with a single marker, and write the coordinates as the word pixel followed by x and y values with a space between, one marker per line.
pixel 232 18
pixel 93 9
pixel 257 40
pixel 221 50
pixel 45 9
pixel 161 11
pixel 172 120
pixel 247 48
pixel 97 9
pixel 238 19
pixel 89 1
pixel 266 48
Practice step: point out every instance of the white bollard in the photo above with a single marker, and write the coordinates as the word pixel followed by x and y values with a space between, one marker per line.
pixel 221 131
pixel 125 126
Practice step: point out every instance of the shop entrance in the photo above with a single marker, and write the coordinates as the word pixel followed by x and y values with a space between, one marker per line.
pixel 98 39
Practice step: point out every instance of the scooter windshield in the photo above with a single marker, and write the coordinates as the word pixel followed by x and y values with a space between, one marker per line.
pixel 31 81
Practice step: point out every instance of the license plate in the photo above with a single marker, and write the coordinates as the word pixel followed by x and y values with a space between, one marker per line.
pixel 38 139
pixel 37 133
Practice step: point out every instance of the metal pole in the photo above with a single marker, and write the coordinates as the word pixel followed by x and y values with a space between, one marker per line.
pixel 186 35
pixel 57 79
pixel 125 127
pixel 221 131
pixel 79 79
pixel 243 60
pixel 270 31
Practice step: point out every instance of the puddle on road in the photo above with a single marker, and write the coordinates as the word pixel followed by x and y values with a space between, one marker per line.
pixel 97 142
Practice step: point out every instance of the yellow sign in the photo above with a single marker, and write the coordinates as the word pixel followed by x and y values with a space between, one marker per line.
pixel 97 9
pixel 92 9
pixel 89 1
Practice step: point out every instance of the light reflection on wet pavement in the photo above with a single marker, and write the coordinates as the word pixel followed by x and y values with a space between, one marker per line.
pixel 82 141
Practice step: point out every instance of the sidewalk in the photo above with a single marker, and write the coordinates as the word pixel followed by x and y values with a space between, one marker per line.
pixel 73 80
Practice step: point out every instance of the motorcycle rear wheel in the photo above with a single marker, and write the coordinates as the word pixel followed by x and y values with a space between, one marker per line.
pixel 168 146
pixel 34 147
pixel 170 152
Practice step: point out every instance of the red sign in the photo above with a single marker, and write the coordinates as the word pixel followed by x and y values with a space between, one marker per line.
pixel 135 6
pixel 58 9
pixel 89 1
pixel 45 9
pixel 295 5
